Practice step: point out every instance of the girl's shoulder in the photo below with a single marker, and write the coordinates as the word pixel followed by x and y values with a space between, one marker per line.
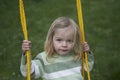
pixel 42 57
pixel 42 54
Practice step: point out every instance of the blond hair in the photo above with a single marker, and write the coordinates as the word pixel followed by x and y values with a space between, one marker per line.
pixel 63 22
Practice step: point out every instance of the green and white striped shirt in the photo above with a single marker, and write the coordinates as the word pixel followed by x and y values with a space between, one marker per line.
pixel 56 68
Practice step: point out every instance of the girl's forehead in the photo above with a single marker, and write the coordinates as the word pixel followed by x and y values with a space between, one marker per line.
pixel 67 31
pixel 70 28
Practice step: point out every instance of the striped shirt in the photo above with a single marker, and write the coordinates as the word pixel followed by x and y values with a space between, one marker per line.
pixel 56 68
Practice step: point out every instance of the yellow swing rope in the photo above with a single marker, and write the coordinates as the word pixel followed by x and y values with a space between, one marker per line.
pixel 84 54
pixel 23 22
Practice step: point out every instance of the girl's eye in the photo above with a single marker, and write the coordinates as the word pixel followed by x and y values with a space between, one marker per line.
pixel 69 41
pixel 58 39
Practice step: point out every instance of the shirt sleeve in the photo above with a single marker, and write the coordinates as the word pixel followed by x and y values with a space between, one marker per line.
pixel 90 61
pixel 23 66
pixel 36 67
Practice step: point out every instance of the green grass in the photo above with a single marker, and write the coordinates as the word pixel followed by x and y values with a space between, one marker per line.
pixel 101 21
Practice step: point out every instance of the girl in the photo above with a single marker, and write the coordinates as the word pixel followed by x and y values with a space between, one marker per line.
pixel 61 59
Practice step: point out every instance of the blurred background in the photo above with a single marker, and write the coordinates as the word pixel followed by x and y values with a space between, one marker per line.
pixel 102 32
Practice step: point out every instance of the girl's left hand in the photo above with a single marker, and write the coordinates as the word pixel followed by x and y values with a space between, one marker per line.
pixel 86 47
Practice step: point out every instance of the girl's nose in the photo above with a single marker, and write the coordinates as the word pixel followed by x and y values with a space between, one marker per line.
pixel 64 44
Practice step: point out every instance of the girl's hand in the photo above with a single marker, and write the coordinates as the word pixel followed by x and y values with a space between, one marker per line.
pixel 86 47
pixel 26 45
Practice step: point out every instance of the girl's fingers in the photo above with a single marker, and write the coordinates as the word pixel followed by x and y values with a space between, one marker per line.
pixel 86 47
pixel 25 41
pixel 26 45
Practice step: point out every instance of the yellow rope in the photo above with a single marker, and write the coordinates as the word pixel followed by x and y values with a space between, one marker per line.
pixel 84 55
pixel 23 22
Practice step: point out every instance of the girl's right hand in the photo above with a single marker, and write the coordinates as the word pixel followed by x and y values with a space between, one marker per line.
pixel 26 45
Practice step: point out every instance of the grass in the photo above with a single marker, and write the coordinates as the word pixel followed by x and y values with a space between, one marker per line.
pixel 101 21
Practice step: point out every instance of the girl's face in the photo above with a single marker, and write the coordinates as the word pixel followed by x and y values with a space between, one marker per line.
pixel 63 40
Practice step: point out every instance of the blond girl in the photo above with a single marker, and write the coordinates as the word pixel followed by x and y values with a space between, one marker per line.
pixel 61 59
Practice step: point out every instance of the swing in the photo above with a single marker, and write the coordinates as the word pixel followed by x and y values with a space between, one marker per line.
pixel 80 20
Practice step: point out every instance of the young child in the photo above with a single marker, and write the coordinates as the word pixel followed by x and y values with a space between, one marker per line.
pixel 61 59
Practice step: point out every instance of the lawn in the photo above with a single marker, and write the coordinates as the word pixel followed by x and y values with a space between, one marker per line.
pixel 101 22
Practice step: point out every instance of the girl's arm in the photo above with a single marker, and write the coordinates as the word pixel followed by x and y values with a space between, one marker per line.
pixel 90 55
pixel 90 60
pixel 35 64
pixel 23 65
pixel 34 68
